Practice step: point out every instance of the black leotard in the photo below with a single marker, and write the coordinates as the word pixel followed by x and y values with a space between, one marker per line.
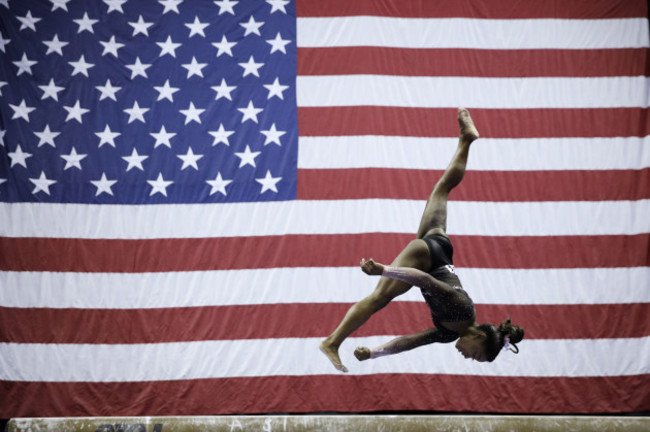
pixel 457 308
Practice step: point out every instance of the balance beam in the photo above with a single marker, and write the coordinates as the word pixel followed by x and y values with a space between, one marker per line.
pixel 342 423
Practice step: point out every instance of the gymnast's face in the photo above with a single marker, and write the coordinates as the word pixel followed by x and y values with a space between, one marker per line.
pixel 472 346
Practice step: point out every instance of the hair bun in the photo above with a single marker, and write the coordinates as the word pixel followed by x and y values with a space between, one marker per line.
pixel 507 328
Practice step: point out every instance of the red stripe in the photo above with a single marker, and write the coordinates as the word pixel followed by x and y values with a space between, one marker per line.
pixel 341 250
pixel 331 393
pixel 468 62
pixel 361 183
pixel 130 326
pixel 493 9
pixel 492 123
pixel 162 255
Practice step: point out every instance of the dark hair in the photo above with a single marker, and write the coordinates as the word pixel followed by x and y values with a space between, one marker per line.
pixel 496 337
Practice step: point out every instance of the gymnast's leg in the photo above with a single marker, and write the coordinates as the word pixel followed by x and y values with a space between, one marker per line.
pixel 434 219
pixel 415 255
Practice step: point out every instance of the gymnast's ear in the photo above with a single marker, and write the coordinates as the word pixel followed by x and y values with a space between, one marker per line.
pixel 480 335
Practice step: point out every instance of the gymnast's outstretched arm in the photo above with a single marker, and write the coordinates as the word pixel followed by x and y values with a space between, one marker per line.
pixel 398 345
pixel 409 275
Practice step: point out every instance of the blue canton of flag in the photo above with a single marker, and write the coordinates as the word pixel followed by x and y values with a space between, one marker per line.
pixel 131 101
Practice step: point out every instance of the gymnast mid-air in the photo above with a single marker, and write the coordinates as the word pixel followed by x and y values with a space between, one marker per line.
pixel 426 262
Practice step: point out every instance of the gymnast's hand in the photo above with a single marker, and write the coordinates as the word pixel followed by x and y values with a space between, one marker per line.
pixel 371 268
pixel 362 353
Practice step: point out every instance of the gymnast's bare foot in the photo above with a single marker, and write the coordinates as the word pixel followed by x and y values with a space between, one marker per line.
pixel 332 354
pixel 468 131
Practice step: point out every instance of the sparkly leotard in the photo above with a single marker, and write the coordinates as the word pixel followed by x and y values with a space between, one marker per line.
pixel 458 307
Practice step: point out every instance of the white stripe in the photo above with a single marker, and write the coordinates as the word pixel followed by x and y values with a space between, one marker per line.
pixel 491 154
pixel 295 357
pixel 557 286
pixel 320 217
pixel 308 285
pixel 549 218
pixel 471 92
pixel 472 33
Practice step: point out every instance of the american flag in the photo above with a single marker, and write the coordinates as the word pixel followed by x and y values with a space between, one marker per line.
pixel 188 186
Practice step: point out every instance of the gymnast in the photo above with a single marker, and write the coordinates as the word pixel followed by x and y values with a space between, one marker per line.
pixel 426 262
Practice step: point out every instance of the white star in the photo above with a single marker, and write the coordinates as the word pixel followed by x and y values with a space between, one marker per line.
pixel 138 68
pixel 115 5
pixel 19 157
pixel 107 137
pixel 85 23
pixel 103 185
pixel 21 111
pixel 108 91
pixel 136 113
pixel 196 27
pixel 224 47
pixel 24 65
pixel 166 91
pixel 81 66
pixel 159 185
pixel 111 46
pixel 73 160
pixel 250 112
pixel 63 4
pixel 223 90
pixel 226 6
pixel 221 135
pixel 168 47
pixel 5 3
pixel 268 182
pixel 140 26
pixel 170 5
pixel 55 45
pixel 2 137
pixel 192 113
pixel 273 135
pixel 278 5
pixel 75 112
pixel 247 157
pixel 218 185
pixel 51 90
pixel 252 26
pixel 3 42
pixel 276 89
pixel 251 67
pixel 2 84
pixel 28 21
pixel 163 137
pixel 190 159
pixel 135 160
pixel 47 136
pixel 194 68
pixel 42 183
pixel 278 44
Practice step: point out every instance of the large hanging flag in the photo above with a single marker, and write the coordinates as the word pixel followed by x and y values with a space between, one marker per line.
pixel 187 188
